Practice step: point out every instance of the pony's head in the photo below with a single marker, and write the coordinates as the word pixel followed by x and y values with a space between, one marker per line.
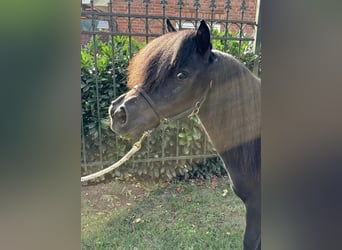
pixel 167 79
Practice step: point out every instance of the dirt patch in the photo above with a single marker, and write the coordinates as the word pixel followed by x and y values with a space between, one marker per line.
pixel 116 195
pixel 106 197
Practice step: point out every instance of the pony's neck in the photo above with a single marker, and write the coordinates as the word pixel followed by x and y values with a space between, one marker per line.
pixel 231 113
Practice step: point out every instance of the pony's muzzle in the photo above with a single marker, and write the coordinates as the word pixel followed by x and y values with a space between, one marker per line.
pixel 119 116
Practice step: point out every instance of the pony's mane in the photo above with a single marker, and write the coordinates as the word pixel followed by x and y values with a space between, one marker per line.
pixel 153 63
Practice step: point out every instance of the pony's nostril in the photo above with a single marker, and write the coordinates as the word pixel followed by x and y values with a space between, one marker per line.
pixel 120 115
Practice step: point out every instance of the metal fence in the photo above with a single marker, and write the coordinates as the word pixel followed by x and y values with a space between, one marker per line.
pixel 142 21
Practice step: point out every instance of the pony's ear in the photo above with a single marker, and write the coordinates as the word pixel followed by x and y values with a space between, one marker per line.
pixel 203 38
pixel 170 28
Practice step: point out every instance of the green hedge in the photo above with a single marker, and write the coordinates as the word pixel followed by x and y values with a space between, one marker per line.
pixel 242 50
pixel 183 137
pixel 106 92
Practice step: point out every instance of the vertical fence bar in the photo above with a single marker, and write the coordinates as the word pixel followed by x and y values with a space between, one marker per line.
pixel 163 3
pixel 205 144
pixel 148 148
pixel 177 142
pixel 242 9
pixel 163 145
pixel 180 6
pixel 197 5
pixel 212 7
pixel 112 29
pixel 129 27
pixel 257 40
pixel 83 147
pixel 192 129
pixel 96 83
pixel 111 23
pixel 83 155
pixel 146 19
pixel 130 46
pixel 226 30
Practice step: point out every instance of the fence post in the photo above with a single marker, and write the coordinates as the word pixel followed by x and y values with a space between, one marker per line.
pixel 257 40
pixel 129 27
pixel 180 6
pixel 197 5
pixel 146 2
pixel 242 9
pixel 96 82
pixel 227 7
pixel 212 7
pixel 112 29
pixel 163 3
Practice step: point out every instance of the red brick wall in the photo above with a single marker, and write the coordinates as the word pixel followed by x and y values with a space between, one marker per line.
pixel 172 10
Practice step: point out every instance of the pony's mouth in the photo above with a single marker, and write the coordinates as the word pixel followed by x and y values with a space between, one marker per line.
pixel 133 130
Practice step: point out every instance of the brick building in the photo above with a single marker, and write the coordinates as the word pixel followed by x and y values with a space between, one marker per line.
pixel 136 12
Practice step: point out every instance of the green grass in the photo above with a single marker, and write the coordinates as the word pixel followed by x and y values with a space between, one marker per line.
pixel 179 216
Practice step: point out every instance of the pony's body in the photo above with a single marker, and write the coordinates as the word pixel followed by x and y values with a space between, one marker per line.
pixel 179 73
pixel 231 118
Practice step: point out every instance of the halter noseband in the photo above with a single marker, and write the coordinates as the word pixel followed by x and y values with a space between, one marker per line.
pixel 188 112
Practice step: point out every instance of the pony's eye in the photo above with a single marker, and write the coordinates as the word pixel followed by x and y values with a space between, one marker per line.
pixel 182 75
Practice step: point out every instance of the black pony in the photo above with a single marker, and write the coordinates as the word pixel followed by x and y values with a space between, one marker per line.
pixel 179 74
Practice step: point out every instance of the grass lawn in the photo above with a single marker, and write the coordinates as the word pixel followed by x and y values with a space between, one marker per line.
pixel 182 215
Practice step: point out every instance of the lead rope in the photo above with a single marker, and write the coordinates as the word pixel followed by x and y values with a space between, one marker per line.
pixel 135 148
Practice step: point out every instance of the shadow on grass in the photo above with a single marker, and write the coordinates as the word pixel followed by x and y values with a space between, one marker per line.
pixel 185 215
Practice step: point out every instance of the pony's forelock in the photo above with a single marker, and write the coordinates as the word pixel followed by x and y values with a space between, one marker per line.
pixel 152 64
